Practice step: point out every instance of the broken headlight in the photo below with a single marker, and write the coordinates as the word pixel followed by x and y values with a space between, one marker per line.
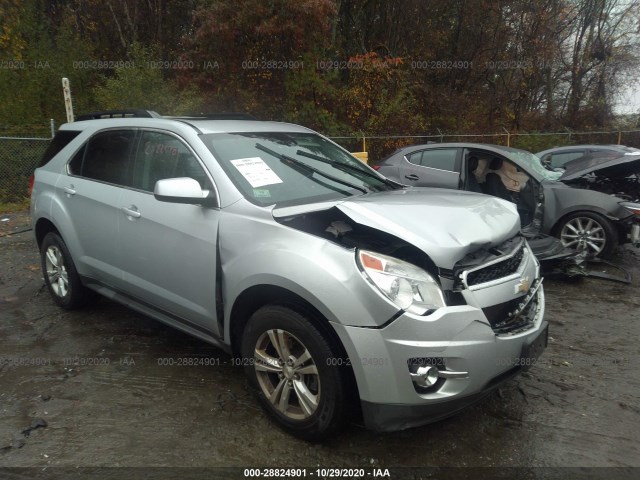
pixel 632 207
pixel 407 286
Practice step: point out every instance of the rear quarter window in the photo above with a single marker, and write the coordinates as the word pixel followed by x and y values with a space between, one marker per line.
pixel 60 140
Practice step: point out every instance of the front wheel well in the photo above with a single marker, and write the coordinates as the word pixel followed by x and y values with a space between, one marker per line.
pixel 252 299
pixel 249 301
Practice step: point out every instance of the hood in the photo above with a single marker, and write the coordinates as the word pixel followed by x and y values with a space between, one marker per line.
pixel 445 224
pixel 621 165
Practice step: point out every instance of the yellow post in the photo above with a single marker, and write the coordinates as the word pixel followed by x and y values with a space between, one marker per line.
pixel 619 137
pixel 363 156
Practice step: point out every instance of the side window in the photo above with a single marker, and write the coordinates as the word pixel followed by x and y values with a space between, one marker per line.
pixel 560 159
pixel 61 140
pixel 75 165
pixel 106 157
pixel 415 158
pixel 441 158
pixel 161 156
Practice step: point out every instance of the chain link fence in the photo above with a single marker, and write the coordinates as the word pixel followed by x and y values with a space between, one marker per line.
pixel 19 155
pixel 18 159
pixel 380 146
pixel 21 148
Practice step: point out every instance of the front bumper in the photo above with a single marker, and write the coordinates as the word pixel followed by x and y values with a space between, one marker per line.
pixel 472 352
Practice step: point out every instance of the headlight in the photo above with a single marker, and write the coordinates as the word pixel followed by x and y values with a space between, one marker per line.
pixel 632 207
pixel 407 286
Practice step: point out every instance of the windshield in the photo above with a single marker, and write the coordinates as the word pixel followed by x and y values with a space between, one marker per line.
pixel 536 164
pixel 284 168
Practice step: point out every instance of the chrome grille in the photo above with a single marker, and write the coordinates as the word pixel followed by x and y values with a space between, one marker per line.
pixel 497 270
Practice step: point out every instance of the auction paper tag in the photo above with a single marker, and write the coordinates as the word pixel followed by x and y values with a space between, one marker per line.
pixel 256 172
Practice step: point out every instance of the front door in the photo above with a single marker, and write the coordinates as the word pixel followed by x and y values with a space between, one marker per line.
pixel 168 250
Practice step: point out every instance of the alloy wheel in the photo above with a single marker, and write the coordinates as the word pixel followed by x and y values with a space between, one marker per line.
pixel 56 271
pixel 287 374
pixel 584 234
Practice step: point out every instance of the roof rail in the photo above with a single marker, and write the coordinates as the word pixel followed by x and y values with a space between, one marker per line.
pixel 216 116
pixel 118 114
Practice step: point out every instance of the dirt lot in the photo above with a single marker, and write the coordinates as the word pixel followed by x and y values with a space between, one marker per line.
pixel 579 407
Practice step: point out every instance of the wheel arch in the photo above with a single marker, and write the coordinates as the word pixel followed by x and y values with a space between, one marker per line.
pixel 257 296
pixel 42 227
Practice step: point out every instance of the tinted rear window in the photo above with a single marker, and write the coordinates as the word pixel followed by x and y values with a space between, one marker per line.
pixel 61 140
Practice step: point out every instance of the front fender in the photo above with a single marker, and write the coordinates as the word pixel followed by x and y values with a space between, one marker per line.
pixel 321 272
pixel 567 200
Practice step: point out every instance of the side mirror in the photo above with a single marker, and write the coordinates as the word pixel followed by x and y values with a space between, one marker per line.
pixel 183 190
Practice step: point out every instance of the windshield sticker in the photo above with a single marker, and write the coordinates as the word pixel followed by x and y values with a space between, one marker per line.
pixel 256 172
pixel 261 193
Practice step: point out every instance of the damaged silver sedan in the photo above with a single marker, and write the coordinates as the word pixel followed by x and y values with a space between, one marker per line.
pixel 341 293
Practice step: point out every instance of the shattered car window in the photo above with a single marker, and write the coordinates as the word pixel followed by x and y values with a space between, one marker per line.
pixel 535 164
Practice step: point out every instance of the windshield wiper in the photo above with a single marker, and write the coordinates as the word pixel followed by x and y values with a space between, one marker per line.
pixel 345 166
pixel 292 161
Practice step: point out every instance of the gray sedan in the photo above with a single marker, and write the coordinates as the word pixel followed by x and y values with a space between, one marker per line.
pixel 586 218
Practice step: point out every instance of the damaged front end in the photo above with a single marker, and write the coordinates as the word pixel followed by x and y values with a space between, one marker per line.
pixel 618 177
pixel 555 259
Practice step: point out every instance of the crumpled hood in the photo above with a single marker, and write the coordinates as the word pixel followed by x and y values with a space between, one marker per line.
pixel 445 224
pixel 603 164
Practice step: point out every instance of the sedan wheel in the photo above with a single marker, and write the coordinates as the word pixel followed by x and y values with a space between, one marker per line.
pixel 588 232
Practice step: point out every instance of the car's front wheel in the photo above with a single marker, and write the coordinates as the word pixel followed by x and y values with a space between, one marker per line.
pixel 299 378
pixel 590 232
pixel 60 273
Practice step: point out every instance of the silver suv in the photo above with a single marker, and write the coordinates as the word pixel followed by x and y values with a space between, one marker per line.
pixel 341 292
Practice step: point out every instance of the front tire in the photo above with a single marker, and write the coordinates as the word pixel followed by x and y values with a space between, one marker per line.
pixel 295 370
pixel 590 232
pixel 60 274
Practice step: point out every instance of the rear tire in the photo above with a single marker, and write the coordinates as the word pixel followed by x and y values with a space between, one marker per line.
pixel 299 378
pixel 60 274
pixel 588 231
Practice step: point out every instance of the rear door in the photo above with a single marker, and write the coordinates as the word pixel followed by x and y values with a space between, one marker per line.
pixel 434 167
pixel 91 194
pixel 169 249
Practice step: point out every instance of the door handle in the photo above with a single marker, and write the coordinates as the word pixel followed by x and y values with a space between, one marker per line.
pixel 69 190
pixel 131 211
pixel 412 177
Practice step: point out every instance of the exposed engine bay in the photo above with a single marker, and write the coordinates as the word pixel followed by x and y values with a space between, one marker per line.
pixel 333 225
pixel 624 187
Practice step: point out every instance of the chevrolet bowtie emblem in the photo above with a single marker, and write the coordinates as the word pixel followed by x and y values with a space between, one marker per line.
pixel 523 286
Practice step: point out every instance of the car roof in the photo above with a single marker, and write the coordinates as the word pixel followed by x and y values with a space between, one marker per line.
pixel 501 149
pixel 201 126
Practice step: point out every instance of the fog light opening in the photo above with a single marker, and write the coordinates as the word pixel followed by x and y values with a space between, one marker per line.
pixel 426 376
